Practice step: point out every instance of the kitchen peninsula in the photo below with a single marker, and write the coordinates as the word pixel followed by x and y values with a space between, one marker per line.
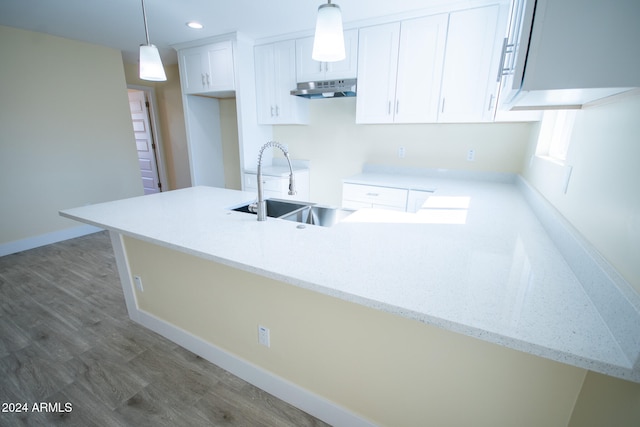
pixel 386 318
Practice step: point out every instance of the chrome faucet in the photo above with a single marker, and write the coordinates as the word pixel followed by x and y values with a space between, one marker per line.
pixel 261 206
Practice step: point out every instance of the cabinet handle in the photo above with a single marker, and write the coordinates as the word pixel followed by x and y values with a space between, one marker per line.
pixel 277 111
pixel 491 98
pixel 503 70
pixel 272 111
pixel 373 194
pixel 202 75
pixel 389 109
pixel 320 66
pixel 397 106
pixel 208 81
pixel 443 105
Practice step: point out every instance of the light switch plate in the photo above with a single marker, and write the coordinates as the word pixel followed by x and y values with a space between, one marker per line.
pixel 264 336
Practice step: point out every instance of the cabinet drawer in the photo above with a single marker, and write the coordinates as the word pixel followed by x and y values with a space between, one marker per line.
pixel 374 195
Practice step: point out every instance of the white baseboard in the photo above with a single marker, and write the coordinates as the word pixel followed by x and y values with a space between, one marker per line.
pixel 46 239
pixel 281 388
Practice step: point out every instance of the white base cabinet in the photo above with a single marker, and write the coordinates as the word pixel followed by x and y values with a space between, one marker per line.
pixel 357 196
pixel 277 186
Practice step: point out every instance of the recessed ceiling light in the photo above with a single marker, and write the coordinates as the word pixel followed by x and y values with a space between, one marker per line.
pixel 195 25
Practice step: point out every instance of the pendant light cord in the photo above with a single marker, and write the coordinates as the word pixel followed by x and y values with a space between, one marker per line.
pixel 144 18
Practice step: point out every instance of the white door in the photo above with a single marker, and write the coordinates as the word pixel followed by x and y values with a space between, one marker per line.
pixel 144 142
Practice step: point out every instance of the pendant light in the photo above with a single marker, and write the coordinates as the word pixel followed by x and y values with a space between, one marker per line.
pixel 328 43
pixel 150 63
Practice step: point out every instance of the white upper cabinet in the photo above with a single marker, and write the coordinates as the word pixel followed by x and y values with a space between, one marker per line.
pixel 309 70
pixel 399 71
pixel 377 70
pixel 275 78
pixel 420 60
pixel 208 69
pixel 440 68
pixel 405 74
pixel 469 84
pixel 565 53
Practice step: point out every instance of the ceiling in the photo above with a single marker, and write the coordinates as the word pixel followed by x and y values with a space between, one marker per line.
pixel 118 23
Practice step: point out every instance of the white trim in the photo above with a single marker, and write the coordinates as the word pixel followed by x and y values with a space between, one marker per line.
pixel 281 388
pixel 124 271
pixel 46 239
pixel 617 97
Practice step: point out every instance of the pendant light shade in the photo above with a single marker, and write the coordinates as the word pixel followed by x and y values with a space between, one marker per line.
pixel 328 43
pixel 150 63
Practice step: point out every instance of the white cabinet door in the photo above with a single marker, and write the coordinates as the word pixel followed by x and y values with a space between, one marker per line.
pixel 420 61
pixel 265 78
pixel 220 67
pixel 309 70
pixel 400 70
pixel 278 186
pixel 469 86
pixel 193 78
pixel 207 69
pixel 377 70
pixel 275 78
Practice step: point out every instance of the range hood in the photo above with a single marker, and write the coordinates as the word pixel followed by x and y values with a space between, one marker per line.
pixel 326 89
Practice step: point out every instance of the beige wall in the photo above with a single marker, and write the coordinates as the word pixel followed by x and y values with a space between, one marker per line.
pixel 603 196
pixel 66 137
pixel 390 370
pixel 172 128
pixel 338 148
pixel 230 144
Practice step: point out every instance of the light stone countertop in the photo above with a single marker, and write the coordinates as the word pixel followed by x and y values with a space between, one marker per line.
pixel 489 270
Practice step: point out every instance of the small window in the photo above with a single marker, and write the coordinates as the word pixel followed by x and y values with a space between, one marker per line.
pixel 555 134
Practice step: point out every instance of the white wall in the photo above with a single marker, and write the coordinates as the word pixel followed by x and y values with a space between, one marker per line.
pixel 603 197
pixel 66 137
pixel 338 148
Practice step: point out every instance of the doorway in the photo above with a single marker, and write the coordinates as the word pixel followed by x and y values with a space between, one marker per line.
pixel 147 139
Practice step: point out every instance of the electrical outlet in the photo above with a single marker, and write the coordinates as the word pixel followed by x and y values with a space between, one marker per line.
pixel 138 282
pixel 401 152
pixel 471 155
pixel 264 336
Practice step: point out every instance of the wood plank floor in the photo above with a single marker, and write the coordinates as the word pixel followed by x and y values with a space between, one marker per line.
pixel 65 337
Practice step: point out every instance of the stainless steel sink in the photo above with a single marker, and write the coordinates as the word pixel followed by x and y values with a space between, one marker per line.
pixel 276 208
pixel 305 213
pixel 324 216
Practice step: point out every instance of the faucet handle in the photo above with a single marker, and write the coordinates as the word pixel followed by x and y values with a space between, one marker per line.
pixel 292 185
